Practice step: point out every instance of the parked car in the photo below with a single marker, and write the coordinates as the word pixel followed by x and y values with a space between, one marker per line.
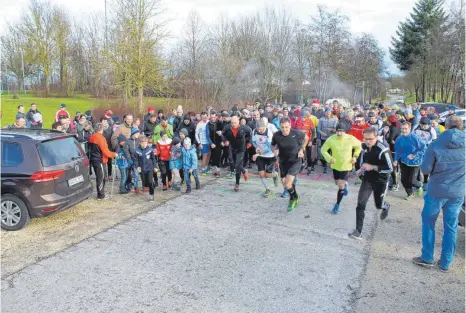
pixel 459 112
pixel 43 172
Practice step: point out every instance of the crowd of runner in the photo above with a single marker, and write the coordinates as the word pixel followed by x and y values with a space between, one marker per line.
pixel 381 145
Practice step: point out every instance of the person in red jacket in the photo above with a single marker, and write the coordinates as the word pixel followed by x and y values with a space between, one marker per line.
pixel 99 155
pixel 164 146
pixel 358 127
pixel 306 126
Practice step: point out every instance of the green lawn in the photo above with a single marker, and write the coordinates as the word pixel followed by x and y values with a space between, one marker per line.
pixel 49 106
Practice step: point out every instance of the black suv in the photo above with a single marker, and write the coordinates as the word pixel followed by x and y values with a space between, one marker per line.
pixel 43 172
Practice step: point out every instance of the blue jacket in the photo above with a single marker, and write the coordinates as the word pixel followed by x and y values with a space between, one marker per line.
pixel 145 159
pixel 276 122
pixel 444 162
pixel 406 145
pixel 189 159
pixel 175 158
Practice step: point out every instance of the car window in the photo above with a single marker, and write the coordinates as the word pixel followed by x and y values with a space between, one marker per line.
pixel 460 113
pixel 12 154
pixel 57 152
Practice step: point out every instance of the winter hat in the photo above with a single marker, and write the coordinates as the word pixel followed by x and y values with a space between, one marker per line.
pixel 121 138
pixel 246 112
pixel 371 114
pixel 185 132
pixel 327 109
pixel 424 120
pixel 187 142
pixel 62 105
pixel 392 119
pixel 234 108
pixel 162 132
pixel 367 106
pixel 186 117
pixel 260 123
pixel 452 107
pixel 176 141
pixel 150 109
pixel 116 119
pixel 433 117
pixel 315 102
pixel 399 112
pixel 261 107
pixel 77 113
pixel 225 114
pixel 134 130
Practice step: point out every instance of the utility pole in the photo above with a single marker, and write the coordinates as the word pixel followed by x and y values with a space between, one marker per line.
pixel 22 65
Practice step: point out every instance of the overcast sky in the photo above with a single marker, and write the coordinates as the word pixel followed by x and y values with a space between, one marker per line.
pixel 371 16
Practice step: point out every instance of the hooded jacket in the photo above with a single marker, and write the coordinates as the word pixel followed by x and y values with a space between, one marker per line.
pixel 357 130
pixel 426 135
pixel 189 159
pixel 406 145
pixel 145 159
pixel 30 119
pixel 148 128
pixel 164 149
pixel 190 128
pixel 99 152
pixel 168 130
pixel 444 161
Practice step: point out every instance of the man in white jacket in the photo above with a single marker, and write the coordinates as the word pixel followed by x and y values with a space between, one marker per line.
pixel 201 137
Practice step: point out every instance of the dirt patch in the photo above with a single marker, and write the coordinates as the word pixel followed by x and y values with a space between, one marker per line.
pixel 46 236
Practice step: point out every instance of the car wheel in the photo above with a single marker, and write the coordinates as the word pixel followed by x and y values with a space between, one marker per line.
pixel 15 214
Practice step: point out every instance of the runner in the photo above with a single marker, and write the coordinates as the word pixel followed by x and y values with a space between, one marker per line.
pixel 375 165
pixel 307 126
pixel 204 145
pixel 345 150
pixel 264 157
pixel 409 150
pixel 214 136
pixel 290 145
pixel 236 137
pixel 391 136
pixel 326 128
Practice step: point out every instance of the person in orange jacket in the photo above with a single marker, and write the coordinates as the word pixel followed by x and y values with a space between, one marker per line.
pixel 99 155
pixel 305 125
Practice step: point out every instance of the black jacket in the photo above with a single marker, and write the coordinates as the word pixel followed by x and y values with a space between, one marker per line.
pixel 148 128
pixel 176 122
pixel 253 124
pixel 242 138
pixel 380 156
pixel 393 133
pixel 191 128
pixel 213 129
pixel 108 132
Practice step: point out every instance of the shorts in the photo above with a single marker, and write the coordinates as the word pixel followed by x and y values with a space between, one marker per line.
pixel 205 149
pixel 265 164
pixel 290 168
pixel 343 175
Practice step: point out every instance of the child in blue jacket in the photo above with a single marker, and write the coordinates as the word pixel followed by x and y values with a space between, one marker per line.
pixel 189 155
pixel 146 165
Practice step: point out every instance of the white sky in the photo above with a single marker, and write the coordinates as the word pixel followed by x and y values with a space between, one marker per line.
pixel 379 17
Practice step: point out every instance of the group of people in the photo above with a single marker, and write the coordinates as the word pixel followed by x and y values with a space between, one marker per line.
pixel 375 143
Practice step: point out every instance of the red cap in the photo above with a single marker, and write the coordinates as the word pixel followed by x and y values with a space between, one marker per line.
pixel 315 101
pixel 392 119
pixel 150 109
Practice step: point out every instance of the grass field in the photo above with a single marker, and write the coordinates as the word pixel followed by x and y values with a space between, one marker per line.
pixel 49 106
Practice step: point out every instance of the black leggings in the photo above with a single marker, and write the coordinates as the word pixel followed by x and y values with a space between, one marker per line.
pixel 147 179
pixel 166 173
pixel 379 189
pixel 237 161
pixel 409 177
pixel 215 155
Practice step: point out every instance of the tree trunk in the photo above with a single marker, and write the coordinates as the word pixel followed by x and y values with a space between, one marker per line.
pixel 140 96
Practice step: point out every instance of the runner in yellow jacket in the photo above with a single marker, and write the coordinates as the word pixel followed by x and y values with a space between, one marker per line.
pixel 345 150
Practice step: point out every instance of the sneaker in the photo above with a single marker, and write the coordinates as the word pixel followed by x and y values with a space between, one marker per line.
pixel 110 178
pixel 384 213
pixel 249 165
pixel 335 208
pixel 170 184
pixel 198 185
pixel 420 192
pixel 145 189
pixel 298 199
pixel 313 169
pixel 291 205
pixel 230 175
pixel 188 189
pixel 409 197
pixel 151 198
pixel 443 270
pixel 417 260
pixel 395 188
pixel 217 174
pixel 284 194
pixel 275 179
pixel 123 192
pixel 358 181
pixel 355 234
pixel 164 187
pixel 246 176
pixel 204 172
pixel 390 188
pixel 267 193
pixel 236 188
pixel 325 170
pixel 104 198
pixel 182 181
pixel 136 191
pixel 309 172
pixel 176 187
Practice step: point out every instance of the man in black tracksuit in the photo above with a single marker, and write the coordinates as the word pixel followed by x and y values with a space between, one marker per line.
pixel 237 136
pixel 375 163
pixel 225 158
pixel 214 131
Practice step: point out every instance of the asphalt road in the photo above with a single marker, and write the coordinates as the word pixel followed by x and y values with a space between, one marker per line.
pixel 213 251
